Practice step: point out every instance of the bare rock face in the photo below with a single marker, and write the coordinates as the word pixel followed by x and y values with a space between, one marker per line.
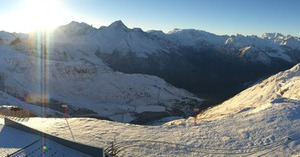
pixel 15 42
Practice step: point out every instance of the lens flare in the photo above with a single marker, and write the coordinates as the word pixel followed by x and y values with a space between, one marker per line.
pixel 40 44
pixel 36 15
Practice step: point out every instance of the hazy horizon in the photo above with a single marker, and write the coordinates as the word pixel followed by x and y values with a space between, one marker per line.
pixel 166 32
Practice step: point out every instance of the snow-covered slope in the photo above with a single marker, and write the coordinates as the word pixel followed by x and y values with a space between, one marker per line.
pixel 263 120
pixel 187 58
pixel 282 40
pixel 273 131
pixel 194 38
pixel 77 71
pixel 283 87
pixel 260 121
pixel 265 47
pixel 114 38
pixel 76 76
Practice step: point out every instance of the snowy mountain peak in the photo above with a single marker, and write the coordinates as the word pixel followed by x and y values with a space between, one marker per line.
pixel 272 36
pixel 193 37
pixel 239 35
pixel 157 33
pixel 188 31
pixel 78 25
pixel 118 25
pixel 175 30
pixel 137 29
pixel 75 28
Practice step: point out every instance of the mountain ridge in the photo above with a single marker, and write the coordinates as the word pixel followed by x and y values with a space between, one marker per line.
pixel 210 66
pixel 274 42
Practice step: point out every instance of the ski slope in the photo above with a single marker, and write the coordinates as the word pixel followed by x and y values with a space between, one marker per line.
pixel 239 134
pixel 247 125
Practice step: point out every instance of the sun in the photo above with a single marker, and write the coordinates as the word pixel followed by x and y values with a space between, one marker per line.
pixel 43 14
pixel 33 15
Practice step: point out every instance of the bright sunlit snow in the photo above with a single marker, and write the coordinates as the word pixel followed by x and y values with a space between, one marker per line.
pixel 253 126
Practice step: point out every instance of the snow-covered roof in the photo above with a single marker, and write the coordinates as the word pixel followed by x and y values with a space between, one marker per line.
pixel 16 142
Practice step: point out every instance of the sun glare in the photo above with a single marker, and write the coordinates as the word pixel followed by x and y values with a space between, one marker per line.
pixel 33 15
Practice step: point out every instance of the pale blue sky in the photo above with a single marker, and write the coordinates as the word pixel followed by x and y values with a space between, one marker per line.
pixel 217 16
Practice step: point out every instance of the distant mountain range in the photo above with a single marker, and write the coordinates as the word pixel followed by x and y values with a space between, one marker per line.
pixel 87 68
pixel 211 66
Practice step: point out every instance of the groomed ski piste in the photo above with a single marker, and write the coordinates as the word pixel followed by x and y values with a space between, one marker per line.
pixel 263 120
